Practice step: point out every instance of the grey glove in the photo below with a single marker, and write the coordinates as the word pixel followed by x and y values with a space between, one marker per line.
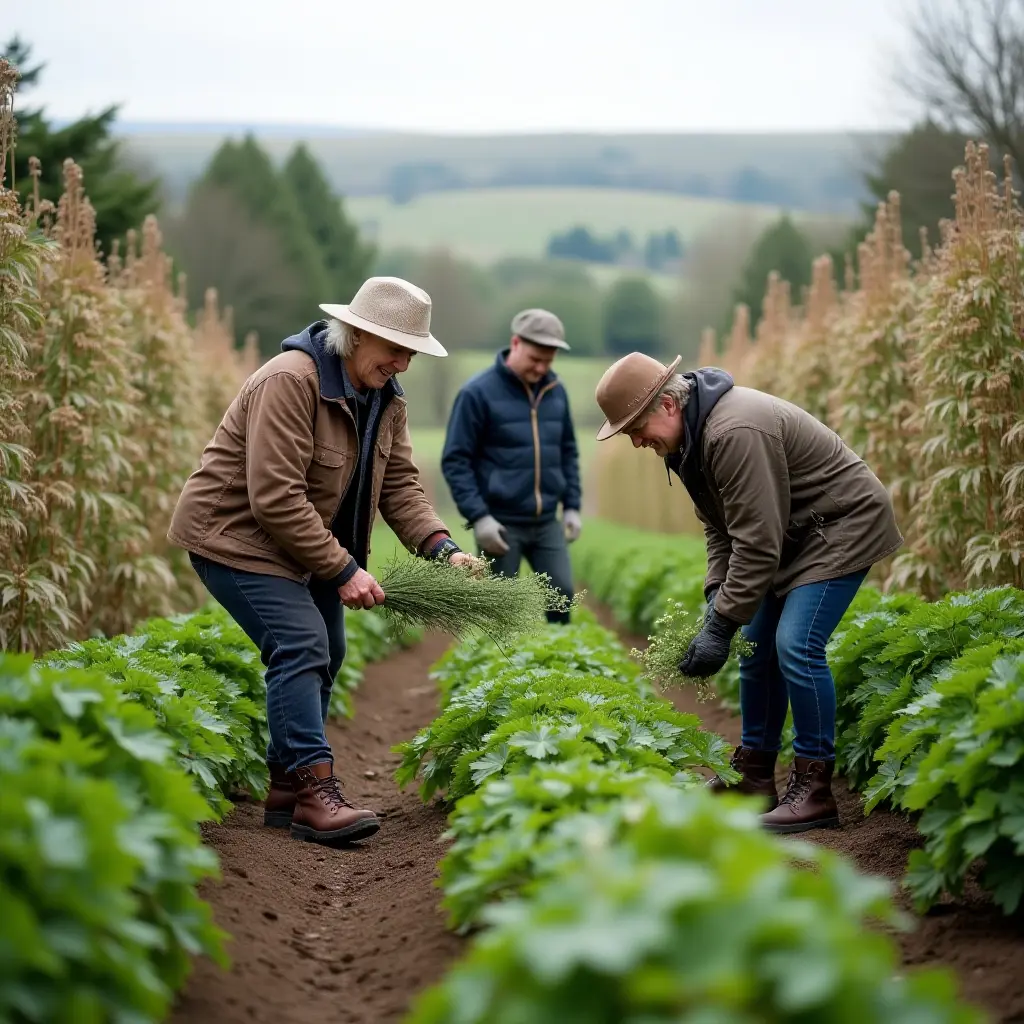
pixel 490 536
pixel 572 522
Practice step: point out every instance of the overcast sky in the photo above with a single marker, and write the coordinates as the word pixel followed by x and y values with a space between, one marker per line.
pixel 473 65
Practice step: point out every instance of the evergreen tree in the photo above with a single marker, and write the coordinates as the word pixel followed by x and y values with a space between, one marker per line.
pixel 632 318
pixel 245 171
pixel 782 248
pixel 346 256
pixel 119 196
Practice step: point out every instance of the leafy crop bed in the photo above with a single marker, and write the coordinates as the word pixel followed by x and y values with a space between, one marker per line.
pixel 111 754
pixel 930 704
pixel 603 884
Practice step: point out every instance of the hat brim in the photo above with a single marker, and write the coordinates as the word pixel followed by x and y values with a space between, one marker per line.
pixel 545 341
pixel 609 429
pixel 427 344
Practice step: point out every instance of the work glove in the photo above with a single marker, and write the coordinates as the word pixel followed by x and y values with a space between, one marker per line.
pixel 573 524
pixel 490 536
pixel 709 649
pixel 710 594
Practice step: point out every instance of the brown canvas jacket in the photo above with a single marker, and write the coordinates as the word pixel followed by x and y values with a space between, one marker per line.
pixel 784 502
pixel 273 476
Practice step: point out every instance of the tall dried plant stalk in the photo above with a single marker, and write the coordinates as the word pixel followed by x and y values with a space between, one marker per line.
pixel 739 349
pixel 811 354
pixel 969 378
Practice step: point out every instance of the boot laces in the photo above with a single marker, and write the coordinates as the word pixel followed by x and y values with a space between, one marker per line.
pixel 330 792
pixel 798 787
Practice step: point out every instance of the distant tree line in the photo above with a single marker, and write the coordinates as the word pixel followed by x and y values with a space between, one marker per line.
pixel 409 179
pixel 661 251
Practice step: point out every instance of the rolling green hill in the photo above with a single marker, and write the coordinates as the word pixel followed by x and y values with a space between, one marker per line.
pixel 487 224
pixel 811 171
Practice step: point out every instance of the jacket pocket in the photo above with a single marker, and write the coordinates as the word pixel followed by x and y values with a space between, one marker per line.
pixel 325 478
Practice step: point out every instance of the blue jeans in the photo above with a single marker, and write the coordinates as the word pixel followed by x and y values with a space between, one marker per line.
pixel 788 667
pixel 546 550
pixel 300 631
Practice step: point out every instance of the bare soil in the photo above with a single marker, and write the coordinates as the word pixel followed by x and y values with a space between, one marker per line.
pixel 324 936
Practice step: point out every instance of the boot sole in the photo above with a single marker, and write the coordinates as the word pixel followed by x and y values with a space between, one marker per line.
pixel 804 826
pixel 339 836
pixel 277 819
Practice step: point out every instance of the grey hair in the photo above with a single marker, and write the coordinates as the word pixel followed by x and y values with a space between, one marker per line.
pixel 341 338
pixel 677 387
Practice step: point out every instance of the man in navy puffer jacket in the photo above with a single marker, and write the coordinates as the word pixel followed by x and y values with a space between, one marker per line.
pixel 510 455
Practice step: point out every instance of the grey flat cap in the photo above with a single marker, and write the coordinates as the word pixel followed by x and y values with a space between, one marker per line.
pixel 540 327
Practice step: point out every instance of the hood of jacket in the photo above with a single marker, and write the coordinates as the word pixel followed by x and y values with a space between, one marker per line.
pixel 335 385
pixel 710 383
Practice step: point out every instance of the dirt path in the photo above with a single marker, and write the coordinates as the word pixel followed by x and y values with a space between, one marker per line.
pixel 984 948
pixel 323 936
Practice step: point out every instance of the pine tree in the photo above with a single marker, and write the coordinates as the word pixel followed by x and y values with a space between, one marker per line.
pixel 120 198
pixel 346 257
pixel 244 170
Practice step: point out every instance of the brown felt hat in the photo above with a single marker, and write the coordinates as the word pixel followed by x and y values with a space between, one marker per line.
pixel 627 388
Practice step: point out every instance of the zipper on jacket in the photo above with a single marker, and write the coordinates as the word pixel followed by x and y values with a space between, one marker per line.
pixel 535 424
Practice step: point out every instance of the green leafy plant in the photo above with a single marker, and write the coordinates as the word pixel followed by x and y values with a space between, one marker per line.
pixel 956 754
pixel 100 855
pixel 688 911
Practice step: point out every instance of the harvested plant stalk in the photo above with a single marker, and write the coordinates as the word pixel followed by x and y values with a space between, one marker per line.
pixel 673 634
pixel 452 599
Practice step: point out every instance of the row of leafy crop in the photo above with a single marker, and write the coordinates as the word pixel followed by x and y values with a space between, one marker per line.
pixel 112 752
pixel 930 696
pixel 606 885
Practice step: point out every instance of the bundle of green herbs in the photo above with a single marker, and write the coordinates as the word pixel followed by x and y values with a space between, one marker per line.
pixel 463 601
pixel 673 633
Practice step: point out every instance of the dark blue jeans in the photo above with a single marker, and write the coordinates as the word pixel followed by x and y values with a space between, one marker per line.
pixel 300 631
pixel 546 550
pixel 788 667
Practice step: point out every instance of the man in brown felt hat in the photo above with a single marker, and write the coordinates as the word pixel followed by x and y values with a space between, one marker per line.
pixel 793 521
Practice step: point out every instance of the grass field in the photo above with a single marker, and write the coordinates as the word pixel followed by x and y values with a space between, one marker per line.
pixel 487 224
pixel 579 375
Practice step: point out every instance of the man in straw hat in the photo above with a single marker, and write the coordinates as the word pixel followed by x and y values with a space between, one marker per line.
pixel 793 521
pixel 510 456
pixel 277 521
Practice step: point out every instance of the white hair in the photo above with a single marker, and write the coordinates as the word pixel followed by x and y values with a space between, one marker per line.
pixel 341 338
pixel 677 387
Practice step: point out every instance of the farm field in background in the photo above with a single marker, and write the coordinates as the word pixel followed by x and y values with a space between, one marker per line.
pixel 488 224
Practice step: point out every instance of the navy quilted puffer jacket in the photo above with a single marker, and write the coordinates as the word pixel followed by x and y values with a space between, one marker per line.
pixel 510 450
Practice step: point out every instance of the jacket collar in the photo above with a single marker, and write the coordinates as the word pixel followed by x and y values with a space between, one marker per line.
pixel 335 385
pixel 709 384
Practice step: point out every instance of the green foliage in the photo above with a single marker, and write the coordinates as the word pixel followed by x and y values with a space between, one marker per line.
pixel 244 170
pixel 120 196
pixel 516 831
pixel 566 696
pixel 201 677
pixel 633 318
pixel 346 257
pixel 676 907
pixel 919 166
pixel 112 751
pixel 100 853
pixel 927 714
pixel 955 754
pixel 784 248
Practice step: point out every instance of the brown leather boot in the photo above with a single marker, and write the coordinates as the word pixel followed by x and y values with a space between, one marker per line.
pixel 280 803
pixel 758 770
pixel 808 802
pixel 322 814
